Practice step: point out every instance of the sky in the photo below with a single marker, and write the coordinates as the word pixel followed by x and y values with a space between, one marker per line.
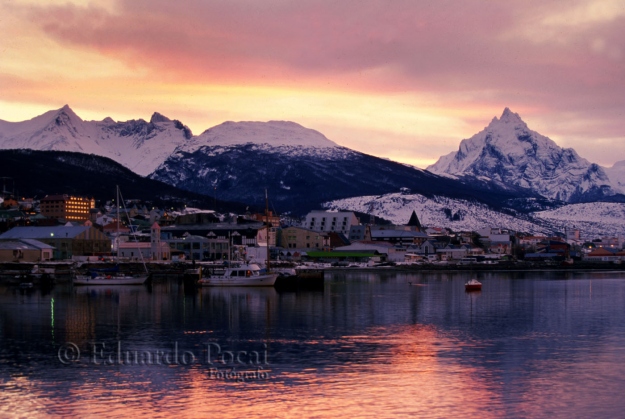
pixel 402 79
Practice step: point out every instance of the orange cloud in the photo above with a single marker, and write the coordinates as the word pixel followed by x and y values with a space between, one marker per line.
pixel 321 62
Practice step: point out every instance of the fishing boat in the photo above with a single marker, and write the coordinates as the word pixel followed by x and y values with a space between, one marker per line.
pixel 112 276
pixel 473 285
pixel 243 275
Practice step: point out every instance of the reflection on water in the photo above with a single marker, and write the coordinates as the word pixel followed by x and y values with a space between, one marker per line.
pixel 383 344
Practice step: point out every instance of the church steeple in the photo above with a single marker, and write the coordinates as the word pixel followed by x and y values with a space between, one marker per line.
pixel 414 221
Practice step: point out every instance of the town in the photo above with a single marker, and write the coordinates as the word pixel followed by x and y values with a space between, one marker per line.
pixel 73 228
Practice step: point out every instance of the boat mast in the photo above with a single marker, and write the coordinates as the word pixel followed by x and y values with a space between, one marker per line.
pixel 118 216
pixel 267 223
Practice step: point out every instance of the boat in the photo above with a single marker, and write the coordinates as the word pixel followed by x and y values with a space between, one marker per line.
pixel 473 285
pixel 242 275
pixel 104 278
pixel 112 276
pixel 38 272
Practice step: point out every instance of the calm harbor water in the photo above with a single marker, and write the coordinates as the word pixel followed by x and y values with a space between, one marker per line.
pixel 385 344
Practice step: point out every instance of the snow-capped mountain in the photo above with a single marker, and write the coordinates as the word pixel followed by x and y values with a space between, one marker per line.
pixel 287 136
pixel 510 154
pixel 238 160
pixel 300 167
pixel 139 145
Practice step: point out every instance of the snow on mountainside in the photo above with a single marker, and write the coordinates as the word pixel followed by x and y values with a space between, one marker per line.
pixel 436 211
pixel 617 175
pixel 280 137
pixel 139 145
pixel 273 133
pixel 511 154
pixel 594 220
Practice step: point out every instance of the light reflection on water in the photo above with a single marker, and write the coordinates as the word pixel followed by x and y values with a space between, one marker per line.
pixel 369 345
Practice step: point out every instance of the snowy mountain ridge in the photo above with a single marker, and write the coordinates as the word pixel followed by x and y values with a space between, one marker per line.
pixel 594 220
pixel 143 146
pixel 509 153
pixel 139 145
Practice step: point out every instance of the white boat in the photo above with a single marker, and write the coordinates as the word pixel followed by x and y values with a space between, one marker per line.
pixel 38 272
pixel 245 275
pixel 110 279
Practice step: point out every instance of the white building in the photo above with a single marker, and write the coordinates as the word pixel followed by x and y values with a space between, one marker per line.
pixel 328 222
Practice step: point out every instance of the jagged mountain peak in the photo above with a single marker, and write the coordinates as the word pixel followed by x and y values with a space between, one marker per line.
pixel 512 155
pixel 139 145
pixel 509 117
pixel 157 117
pixel 66 116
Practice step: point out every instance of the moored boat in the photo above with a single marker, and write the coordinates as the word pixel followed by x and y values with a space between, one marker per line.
pixel 473 285
pixel 244 275
pixel 113 276
pixel 110 279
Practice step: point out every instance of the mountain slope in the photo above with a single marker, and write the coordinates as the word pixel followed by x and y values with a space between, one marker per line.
pixel 617 175
pixel 435 211
pixel 139 145
pixel 40 173
pixel 509 153
pixel 301 168
pixel 594 220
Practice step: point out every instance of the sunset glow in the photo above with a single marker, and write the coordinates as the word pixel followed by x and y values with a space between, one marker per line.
pixel 405 80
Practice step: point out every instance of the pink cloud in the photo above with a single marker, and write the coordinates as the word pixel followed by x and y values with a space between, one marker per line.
pixel 471 52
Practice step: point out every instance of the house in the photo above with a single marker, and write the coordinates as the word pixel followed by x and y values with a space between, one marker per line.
pixel 113 226
pixel 24 250
pixel 500 248
pixel 212 241
pixel 425 248
pixel 68 241
pixel 603 254
pixel 453 252
pixel 397 236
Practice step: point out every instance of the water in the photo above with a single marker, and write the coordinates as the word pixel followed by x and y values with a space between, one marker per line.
pixel 370 345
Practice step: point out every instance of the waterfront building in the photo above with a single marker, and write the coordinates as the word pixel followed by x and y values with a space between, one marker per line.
pixel 328 221
pixel 66 207
pixel 302 238
pixel 24 250
pixel 68 241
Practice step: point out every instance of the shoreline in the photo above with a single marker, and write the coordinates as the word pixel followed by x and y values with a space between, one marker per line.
pixel 14 273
